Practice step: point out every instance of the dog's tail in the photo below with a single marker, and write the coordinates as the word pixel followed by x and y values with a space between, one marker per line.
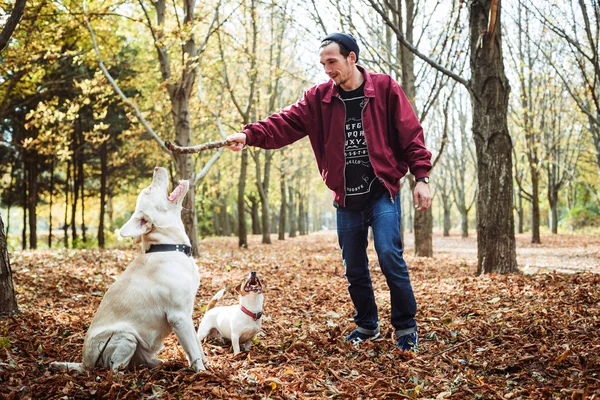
pixel 69 366
pixel 215 298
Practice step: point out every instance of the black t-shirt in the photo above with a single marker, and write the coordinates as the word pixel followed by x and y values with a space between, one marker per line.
pixel 361 183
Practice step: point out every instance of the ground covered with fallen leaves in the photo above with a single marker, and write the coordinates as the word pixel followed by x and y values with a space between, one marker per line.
pixel 531 335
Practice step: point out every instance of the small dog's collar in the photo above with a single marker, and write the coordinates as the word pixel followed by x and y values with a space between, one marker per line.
pixel 184 248
pixel 249 313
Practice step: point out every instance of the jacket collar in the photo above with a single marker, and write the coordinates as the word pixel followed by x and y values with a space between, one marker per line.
pixel 334 90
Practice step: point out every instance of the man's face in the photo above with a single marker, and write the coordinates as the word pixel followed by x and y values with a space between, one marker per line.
pixel 338 68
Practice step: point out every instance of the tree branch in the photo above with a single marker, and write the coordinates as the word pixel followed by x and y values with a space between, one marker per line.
pixel 11 24
pixel 415 51
pixel 116 87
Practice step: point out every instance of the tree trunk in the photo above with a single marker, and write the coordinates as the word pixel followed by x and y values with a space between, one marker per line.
pixel 110 213
pixel 447 216
pixel 242 230
pixel 262 185
pixel 423 221
pixel 32 201
pixel 185 168
pixel 283 208
pixel 520 216
pixel 81 178
pixel 264 200
pixel 553 201
pixel 75 200
pixel 8 302
pixel 464 225
pixel 103 177
pixel 496 250
pixel 254 214
pixel 291 211
pixel 52 165
pixel 25 207
pixel 65 222
pixel 535 207
pixel 301 216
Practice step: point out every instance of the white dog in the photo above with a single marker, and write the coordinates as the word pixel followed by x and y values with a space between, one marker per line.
pixel 238 323
pixel 154 296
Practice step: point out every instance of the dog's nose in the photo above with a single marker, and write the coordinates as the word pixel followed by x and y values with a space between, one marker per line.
pixel 253 274
pixel 155 169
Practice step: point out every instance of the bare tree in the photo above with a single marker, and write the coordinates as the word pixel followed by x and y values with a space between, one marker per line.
pixel 463 162
pixel 489 89
pixel 525 60
pixel 577 24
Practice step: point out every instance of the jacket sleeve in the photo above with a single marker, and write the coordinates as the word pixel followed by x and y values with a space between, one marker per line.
pixel 282 128
pixel 410 132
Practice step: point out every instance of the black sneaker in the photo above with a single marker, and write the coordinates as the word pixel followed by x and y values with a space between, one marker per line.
pixel 357 337
pixel 408 342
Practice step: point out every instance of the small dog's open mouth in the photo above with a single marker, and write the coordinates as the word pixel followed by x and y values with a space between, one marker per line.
pixel 253 284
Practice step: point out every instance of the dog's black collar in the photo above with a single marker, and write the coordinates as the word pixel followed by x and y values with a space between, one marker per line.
pixel 184 248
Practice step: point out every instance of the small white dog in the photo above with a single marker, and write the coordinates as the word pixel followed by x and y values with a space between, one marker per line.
pixel 238 323
pixel 154 296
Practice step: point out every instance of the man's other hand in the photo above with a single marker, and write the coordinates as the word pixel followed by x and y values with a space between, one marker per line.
pixel 422 196
pixel 239 140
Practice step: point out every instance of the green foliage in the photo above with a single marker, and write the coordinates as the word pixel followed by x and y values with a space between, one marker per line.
pixel 4 343
pixel 582 217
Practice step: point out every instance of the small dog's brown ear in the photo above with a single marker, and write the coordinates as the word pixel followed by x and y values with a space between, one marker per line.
pixel 238 288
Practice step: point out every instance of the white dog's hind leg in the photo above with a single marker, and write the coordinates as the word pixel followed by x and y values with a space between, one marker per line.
pixel 119 350
pixel 183 326
pixel 69 366
pixel 247 345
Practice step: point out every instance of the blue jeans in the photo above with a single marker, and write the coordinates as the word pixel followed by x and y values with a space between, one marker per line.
pixel 383 216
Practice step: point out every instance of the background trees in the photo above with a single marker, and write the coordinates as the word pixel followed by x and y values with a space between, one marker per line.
pixel 74 151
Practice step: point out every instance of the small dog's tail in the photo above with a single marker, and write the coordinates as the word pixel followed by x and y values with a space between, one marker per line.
pixel 215 298
pixel 69 366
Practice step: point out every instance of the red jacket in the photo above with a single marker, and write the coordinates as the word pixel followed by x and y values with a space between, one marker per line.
pixel 392 130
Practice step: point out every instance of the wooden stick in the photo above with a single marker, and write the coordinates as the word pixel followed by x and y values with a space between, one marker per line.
pixel 196 149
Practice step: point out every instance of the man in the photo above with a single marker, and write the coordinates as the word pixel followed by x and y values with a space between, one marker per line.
pixel 365 135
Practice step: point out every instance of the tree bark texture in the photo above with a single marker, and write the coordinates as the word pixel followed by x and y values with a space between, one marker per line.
pixel 496 250
pixel 8 302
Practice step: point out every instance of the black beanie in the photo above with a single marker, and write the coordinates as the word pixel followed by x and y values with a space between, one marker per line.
pixel 345 39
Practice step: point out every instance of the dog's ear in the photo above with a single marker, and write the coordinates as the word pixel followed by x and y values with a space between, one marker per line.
pixel 138 225
pixel 238 288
